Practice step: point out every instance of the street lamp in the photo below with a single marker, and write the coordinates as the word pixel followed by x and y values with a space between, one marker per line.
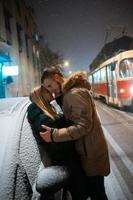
pixel 70 72
pixel 66 63
pixel 66 66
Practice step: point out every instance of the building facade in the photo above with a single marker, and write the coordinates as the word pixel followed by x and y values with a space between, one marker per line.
pixel 20 45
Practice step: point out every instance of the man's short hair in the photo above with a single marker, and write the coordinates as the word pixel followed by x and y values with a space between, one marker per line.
pixel 50 72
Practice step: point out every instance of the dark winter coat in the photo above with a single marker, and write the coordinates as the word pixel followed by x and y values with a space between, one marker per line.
pixel 61 153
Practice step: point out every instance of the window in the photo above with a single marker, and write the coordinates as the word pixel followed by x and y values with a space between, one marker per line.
pixel 27 47
pixel 126 68
pixel 19 37
pixel 103 74
pixel 90 79
pixel 18 7
pixel 7 20
pixel 97 76
pixel 111 72
pixel 26 21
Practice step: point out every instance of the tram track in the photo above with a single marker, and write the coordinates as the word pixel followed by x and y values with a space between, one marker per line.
pixel 124 113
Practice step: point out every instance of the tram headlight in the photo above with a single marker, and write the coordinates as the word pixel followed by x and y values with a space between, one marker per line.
pixel 122 90
pixel 131 90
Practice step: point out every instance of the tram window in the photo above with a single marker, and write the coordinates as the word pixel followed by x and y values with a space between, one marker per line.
pixel 109 71
pixel 98 75
pixel 126 68
pixel 95 77
pixel 113 66
pixel 103 74
pixel 90 79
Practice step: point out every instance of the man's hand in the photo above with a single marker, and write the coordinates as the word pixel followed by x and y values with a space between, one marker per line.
pixel 46 135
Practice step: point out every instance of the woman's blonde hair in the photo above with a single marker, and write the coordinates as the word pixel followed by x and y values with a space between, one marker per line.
pixel 37 96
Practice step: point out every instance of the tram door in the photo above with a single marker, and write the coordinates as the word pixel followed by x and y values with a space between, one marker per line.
pixel 111 83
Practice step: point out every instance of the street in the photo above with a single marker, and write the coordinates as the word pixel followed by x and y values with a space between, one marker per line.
pixel 118 128
pixel 17 143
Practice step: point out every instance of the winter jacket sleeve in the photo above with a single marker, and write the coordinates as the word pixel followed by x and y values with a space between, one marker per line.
pixel 36 118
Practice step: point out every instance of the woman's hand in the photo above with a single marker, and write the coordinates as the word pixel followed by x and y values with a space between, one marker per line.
pixel 46 135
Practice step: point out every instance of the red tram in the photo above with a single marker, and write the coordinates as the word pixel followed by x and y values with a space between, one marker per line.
pixel 113 80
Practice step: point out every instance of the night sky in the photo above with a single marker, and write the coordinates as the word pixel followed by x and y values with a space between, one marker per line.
pixel 77 28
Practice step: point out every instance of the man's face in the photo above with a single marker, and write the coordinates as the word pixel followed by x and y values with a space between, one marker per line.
pixel 53 85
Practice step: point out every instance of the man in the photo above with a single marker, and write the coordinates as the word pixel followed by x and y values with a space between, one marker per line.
pixel 79 107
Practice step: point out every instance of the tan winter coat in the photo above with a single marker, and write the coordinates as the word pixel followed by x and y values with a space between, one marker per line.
pixel 79 107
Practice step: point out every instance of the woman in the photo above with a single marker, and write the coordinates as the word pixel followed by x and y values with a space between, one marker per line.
pixel 41 112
